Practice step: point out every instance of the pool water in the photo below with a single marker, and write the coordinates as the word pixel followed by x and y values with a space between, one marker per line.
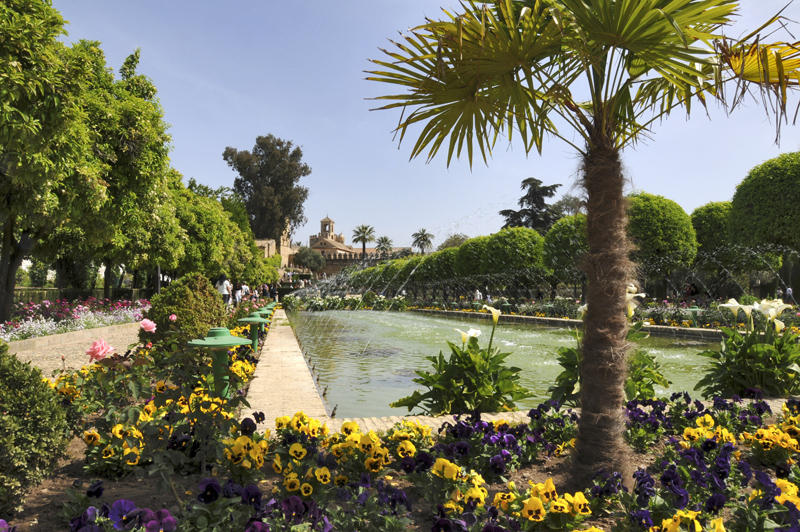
pixel 368 359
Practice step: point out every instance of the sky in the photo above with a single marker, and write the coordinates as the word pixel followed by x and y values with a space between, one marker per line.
pixel 229 72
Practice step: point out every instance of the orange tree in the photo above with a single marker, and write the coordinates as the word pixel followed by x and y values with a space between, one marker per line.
pixel 510 67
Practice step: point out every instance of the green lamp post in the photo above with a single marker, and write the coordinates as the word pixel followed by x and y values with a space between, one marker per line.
pixel 264 313
pixel 254 318
pixel 218 341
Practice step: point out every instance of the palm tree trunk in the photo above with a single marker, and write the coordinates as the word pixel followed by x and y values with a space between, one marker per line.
pixel 600 443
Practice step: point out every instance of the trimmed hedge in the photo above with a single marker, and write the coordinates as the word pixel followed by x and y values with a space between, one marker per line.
pixel 196 304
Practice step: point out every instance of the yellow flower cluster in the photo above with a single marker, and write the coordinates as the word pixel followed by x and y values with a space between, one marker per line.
pixel 686 520
pixel 243 369
pixel 541 499
pixel 302 424
pixel 64 385
pixel 469 487
pixel 770 437
pixel 356 446
pixel 703 431
pixel 200 401
pixel 246 452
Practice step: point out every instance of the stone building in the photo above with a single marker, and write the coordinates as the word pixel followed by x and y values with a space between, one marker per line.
pixel 338 254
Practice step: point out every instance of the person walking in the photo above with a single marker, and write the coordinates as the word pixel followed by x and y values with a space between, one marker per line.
pixel 223 286
pixel 237 293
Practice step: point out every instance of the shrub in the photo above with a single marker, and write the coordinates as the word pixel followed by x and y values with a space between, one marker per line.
pixel 33 429
pixel 196 304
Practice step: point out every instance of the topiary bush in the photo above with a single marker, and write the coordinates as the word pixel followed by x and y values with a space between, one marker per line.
pixel 197 307
pixel 33 429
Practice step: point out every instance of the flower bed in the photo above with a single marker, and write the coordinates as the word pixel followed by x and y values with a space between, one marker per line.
pixel 156 412
pixel 30 320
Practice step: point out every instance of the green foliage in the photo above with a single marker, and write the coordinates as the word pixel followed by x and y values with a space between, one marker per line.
pixel 760 358
pixel 662 232
pixel 38 272
pixel 309 258
pixel 422 239
pixel 50 174
pixel 515 249
pixel 453 240
pixel 565 245
pixel 268 183
pixel 766 205
pixel 363 234
pixel 33 429
pixel 710 222
pixel 195 302
pixel 471 380
pixel 534 211
pixel 470 258
pixel 644 372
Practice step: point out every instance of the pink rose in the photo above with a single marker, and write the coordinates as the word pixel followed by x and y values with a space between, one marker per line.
pixel 173 317
pixel 148 325
pixel 99 350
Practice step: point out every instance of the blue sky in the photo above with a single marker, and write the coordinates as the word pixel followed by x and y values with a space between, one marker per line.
pixel 228 72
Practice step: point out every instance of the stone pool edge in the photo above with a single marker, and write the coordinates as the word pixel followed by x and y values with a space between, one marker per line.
pixel 692 333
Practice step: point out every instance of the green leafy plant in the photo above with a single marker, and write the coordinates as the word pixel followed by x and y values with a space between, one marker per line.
pixel 197 307
pixel 644 372
pixel 760 358
pixel 33 429
pixel 765 356
pixel 472 379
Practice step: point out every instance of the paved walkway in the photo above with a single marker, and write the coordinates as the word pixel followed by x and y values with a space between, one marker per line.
pixel 45 352
pixel 282 383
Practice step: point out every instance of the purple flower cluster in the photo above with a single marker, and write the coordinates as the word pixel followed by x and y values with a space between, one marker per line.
pixel 495 449
pixel 124 515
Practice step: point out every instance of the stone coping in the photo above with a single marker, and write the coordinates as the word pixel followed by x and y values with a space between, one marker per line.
pixel 690 333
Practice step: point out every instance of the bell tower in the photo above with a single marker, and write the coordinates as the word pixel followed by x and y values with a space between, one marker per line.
pixel 326 228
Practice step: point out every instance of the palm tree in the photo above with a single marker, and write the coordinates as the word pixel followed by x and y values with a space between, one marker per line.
pixel 364 234
pixel 383 245
pixel 507 67
pixel 422 240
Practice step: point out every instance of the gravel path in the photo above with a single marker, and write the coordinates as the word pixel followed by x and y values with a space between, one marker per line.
pixel 45 352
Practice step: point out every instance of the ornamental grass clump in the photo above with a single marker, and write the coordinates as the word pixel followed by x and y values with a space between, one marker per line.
pixel 472 380
pixel 33 429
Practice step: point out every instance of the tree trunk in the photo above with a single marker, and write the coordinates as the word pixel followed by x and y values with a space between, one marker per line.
pixel 600 443
pixel 107 278
pixel 11 254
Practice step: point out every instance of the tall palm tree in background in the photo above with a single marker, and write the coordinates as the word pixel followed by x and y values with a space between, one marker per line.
pixel 364 234
pixel 508 67
pixel 422 240
pixel 383 246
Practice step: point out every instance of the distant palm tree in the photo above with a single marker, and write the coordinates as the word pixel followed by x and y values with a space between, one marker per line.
pixel 384 245
pixel 422 240
pixel 364 234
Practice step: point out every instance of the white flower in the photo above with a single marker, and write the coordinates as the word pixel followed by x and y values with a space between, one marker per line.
pixel 771 308
pixel 582 310
pixel 495 313
pixel 471 333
